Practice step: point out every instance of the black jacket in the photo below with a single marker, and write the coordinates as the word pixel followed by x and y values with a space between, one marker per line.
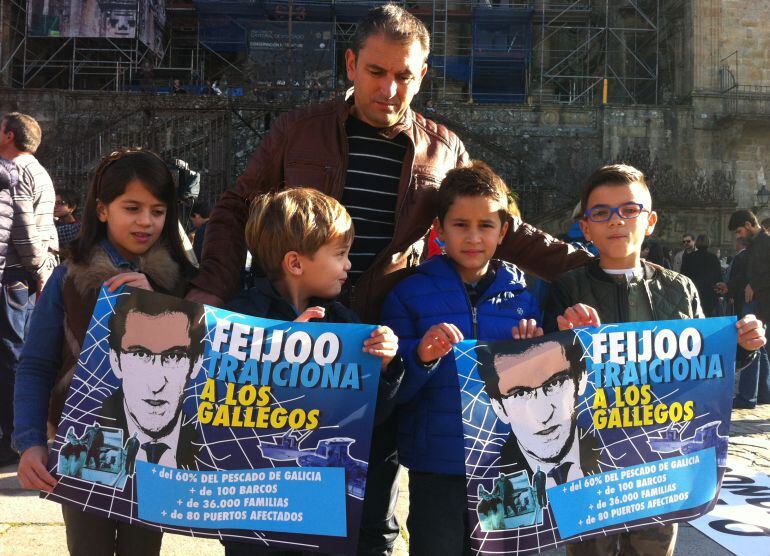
pixel 759 273
pixel 739 278
pixel 702 267
pixel 512 460
pixel 112 414
pixel 262 300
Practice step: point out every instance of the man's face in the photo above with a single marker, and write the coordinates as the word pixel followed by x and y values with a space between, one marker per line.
pixel 197 220
pixel 154 365
pixel 6 137
pixel 688 243
pixel 619 240
pixel 743 232
pixel 386 75
pixel 538 400
pixel 61 208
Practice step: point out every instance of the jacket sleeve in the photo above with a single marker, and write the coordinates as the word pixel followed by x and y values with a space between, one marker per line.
pixel 24 234
pixel 557 302
pixel 692 295
pixel 396 315
pixel 390 382
pixel 759 264
pixel 39 363
pixel 538 253
pixel 737 282
pixel 224 244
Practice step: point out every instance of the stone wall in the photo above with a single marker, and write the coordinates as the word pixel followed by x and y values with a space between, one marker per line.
pixel 744 28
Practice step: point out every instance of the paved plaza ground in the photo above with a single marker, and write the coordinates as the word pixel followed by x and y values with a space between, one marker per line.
pixel 34 527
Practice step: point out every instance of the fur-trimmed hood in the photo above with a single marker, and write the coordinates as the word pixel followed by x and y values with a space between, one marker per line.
pixel 157 264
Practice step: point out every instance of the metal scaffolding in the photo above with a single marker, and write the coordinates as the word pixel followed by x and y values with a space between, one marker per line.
pixel 93 63
pixel 578 52
pixel 593 52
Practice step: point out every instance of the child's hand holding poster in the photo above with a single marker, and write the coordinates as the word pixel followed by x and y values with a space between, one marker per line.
pixel 197 420
pixel 594 431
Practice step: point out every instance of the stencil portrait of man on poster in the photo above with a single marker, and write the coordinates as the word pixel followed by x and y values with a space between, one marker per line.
pixel 155 351
pixel 535 390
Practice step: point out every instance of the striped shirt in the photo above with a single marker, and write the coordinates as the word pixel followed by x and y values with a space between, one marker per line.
pixel 371 190
pixel 34 238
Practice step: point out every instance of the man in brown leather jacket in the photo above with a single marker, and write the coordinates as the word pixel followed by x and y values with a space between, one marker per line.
pixel 384 162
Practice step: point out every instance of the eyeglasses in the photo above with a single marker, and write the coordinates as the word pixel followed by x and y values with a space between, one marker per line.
pixel 170 358
pixel 60 203
pixel 524 394
pixel 626 211
pixel 686 241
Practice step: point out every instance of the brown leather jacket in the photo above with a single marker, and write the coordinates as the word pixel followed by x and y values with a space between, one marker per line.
pixel 308 147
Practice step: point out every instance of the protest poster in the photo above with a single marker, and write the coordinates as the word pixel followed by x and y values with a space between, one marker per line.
pixel 594 431
pixel 195 420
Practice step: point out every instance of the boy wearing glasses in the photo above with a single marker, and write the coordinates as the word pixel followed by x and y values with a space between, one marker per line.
pixel 464 293
pixel 621 287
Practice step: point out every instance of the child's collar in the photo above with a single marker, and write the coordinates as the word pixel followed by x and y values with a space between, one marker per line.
pixel 116 258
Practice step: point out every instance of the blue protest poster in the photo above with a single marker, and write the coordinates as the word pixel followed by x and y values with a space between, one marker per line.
pixel 594 431
pixel 195 420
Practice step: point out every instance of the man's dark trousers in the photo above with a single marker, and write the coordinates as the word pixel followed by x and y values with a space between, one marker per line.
pixel 379 528
pixel 754 380
pixel 16 305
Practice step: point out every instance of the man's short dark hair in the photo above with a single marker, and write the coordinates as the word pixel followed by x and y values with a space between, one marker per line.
pixel 486 355
pixel 201 208
pixel 702 241
pixel 26 131
pixel 476 179
pixel 147 303
pixel 613 174
pixel 395 23
pixel 69 197
pixel 740 217
pixel 688 234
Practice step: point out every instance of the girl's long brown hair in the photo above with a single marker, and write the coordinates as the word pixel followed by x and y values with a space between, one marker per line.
pixel 109 181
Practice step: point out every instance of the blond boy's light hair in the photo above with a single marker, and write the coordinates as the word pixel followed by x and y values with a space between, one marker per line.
pixel 300 219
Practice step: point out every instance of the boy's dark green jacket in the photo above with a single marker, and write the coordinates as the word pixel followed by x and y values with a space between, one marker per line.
pixel 671 296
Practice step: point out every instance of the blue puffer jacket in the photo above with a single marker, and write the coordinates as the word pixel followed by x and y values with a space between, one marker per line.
pixel 430 435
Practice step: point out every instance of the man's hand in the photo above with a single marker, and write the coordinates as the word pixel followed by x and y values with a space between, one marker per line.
pixel 197 295
pixel 577 316
pixel 438 341
pixel 527 328
pixel 133 279
pixel 311 313
pixel 382 343
pixel 748 294
pixel 32 472
pixel 751 333
pixel 720 288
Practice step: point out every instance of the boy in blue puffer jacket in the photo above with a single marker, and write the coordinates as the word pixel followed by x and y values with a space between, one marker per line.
pixel 462 294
